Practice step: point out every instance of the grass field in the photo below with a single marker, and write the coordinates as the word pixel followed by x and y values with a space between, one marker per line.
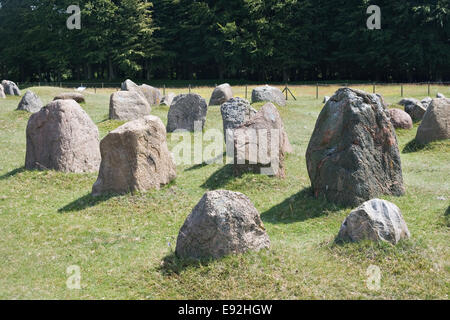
pixel 124 244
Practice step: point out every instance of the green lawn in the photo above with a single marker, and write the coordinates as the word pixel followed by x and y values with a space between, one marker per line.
pixel 124 245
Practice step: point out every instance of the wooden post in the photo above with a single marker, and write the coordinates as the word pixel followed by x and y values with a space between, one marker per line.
pixel 401 86
pixel 428 88
pixel 317 91
pixel 103 85
pixel 374 88
pixel 189 88
pixel 246 88
pixel 164 90
pixel 286 89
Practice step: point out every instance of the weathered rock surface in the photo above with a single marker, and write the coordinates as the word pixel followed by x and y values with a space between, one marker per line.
pixel 426 102
pixel 128 105
pixel 440 96
pixel 375 220
pixel 235 113
pixel 187 112
pixel 325 99
pixel 261 144
pixel 78 97
pixel 10 88
pixel 268 94
pixel 435 124
pixel 414 108
pixel 135 157
pixel 222 223
pixel 30 102
pixel 151 94
pixel 353 154
pixel 168 98
pixel 400 119
pixel 2 92
pixel 62 137
pixel 221 94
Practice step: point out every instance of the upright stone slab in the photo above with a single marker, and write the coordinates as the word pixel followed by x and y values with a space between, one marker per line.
pixel 261 144
pixel 222 223
pixel 128 105
pixel 268 94
pixel 221 94
pixel 426 102
pixel 400 119
pixel 135 157
pixel 62 137
pixel 235 113
pixel 151 94
pixel 10 88
pixel 30 102
pixel 78 97
pixel 440 96
pixel 435 124
pixel 414 108
pixel 375 220
pixel 2 92
pixel 353 154
pixel 185 112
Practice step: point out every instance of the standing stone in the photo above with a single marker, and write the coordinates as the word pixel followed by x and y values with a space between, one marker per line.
pixel 325 99
pixel 222 223
pixel 2 92
pixel 400 119
pixel 187 112
pixel 268 94
pixel 151 94
pixel 353 154
pixel 62 137
pixel 260 144
pixel 414 108
pixel 168 98
pixel 135 157
pixel 78 97
pixel 435 124
pixel 221 94
pixel 375 220
pixel 128 105
pixel 30 102
pixel 426 102
pixel 440 96
pixel 10 88
pixel 235 113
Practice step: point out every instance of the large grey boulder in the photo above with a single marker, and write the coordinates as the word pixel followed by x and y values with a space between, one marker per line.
pixel 440 96
pixel 2 92
pixel 235 112
pixel 222 223
pixel 221 94
pixel 128 105
pixel 187 112
pixel 135 157
pixel 414 108
pixel 10 88
pixel 426 102
pixel 375 220
pixel 168 98
pixel 353 154
pixel 62 137
pixel 78 97
pixel 435 124
pixel 261 144
pixel 268 94
pixel 30 102
pixel 151 94
pixel 400 119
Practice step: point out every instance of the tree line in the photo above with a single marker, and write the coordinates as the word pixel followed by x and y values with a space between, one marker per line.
pixel 257 40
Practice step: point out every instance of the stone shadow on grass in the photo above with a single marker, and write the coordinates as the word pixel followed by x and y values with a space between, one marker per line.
pixel 171 264
pixel 12 173
pixel 84 202
pixel 413 146
pixel 219 178
pixel 299 207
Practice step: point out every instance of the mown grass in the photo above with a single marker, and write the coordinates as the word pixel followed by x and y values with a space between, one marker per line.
pixel 124 244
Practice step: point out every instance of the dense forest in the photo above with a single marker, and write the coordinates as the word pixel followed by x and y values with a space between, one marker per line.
pixel 256 40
